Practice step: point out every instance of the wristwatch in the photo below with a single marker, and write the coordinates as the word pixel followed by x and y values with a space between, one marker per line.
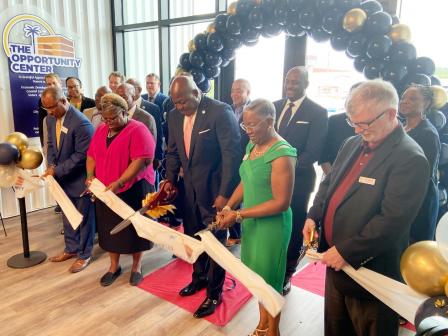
pixel 239 218
pixel 120 184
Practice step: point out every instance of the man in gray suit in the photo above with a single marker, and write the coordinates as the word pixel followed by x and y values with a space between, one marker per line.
pixel 127 92
pixel 365 207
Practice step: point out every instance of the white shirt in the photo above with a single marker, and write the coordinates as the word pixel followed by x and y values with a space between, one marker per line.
pixel 296 106
pixel 138 102
pixel 131 111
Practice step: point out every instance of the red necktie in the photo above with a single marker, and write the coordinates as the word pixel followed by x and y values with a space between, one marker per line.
pixel 286 118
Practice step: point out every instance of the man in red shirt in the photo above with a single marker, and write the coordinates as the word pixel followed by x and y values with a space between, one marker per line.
pixel 364 209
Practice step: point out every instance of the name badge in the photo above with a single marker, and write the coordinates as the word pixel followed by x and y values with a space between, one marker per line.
pixel 64 129
pixel 367 180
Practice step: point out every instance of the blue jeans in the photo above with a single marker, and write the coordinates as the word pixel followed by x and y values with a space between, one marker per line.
pixel 80 241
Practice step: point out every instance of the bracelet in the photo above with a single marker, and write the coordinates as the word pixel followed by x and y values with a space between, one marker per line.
pixel 120 184
pixel 227 208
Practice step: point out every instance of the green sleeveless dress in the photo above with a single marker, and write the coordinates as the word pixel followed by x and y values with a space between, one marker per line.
pixel 265 240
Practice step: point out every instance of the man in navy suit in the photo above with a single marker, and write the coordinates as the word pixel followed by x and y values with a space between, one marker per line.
pixel 69 135
pixel 302 123
pixel 154 95
pixel 205 142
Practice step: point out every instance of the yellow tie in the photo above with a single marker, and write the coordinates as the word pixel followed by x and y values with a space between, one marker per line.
pixel 58 131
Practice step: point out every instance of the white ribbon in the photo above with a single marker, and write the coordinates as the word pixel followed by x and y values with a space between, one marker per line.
pixel 398 296
pixel 189 248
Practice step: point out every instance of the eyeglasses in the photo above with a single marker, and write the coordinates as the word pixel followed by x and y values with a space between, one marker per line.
pixel 247 128
pixel 51 108
pixel 110 120
pixel 365 125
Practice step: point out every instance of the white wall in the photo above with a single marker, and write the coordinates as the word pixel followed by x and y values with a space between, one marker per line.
pixel 89 24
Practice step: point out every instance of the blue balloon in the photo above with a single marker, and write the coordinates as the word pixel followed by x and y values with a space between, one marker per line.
pixel 214 42
pixel 196 59
pixel 221 23
pixel 200 41
pixel 402 52
pixel 198 75
pixel 211 72
pixel 212 59
pixel 371 6
pixel 378 23
pixel 233 25
pixel 256 18
pixel 378 46
pixel 8 153
pixel 184 61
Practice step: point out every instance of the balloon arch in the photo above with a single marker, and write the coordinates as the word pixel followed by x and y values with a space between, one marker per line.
pixel 378 44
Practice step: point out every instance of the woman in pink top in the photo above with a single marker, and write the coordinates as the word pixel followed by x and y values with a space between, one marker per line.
pixel 120 156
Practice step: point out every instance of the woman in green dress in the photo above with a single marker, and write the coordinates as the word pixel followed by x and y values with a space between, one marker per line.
pixel 267 180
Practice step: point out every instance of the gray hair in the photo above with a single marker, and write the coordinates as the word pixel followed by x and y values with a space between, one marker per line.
pixel 55 92
pixel 262 107
pixel 245 83
pixel 112 100
pixel 374 93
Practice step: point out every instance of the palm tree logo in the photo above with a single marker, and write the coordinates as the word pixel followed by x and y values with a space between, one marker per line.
pixel 32 31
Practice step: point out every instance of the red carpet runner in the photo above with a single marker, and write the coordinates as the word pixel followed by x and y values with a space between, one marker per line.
pixel 167 281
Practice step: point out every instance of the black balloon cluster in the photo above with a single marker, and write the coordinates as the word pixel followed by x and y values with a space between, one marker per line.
pixel 378 44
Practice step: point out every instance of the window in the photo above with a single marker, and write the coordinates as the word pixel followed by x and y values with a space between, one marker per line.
pixel 180 8
pixel 137 11
pixel 262 66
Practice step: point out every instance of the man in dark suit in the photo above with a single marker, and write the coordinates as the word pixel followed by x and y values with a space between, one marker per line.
pixel 154 95
pixel 204 142
pixel 302 123
pixel 364 209
pixel 155 111
pixel 69 135
pixel 127 92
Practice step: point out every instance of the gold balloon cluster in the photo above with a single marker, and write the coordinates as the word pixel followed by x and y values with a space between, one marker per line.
pixel 29 158
pixel 439 97
pixel 354 19
pixel 400 32
pixel 231 10
pixel 425 269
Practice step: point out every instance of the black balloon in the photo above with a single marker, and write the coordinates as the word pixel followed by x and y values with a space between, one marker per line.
pixel 250 43
pixel 232 42
pixel 332 21
pixel 196 59
pixel 428 309
pixel 346 5
pixel 437 118
pixel 360 62
pixel 423 65
pixel 212 59
pixel 357 44
pixel 324 5
pixel 280 14
pixel 184 61
pixel 339 41
pixel 228 54
pixel 378 46
pixel 394 72
pixel 8 153
pixel 435 80
pixel 249 34
pixel 378 23
pixel 214 42
pixel 200 41
pixel 371 6
pixel 198 75
pixel 443 154
pixel 373 69
pixel 211 72
pixel 233 25
pixel 221 23
pixel 307 18
pixel 402 52
pixel 268 6
pixel 292 24
pixel 256 18
pixel 294 4
pixel 205 86
pixel 243 7
pixel 271 28
pixel 319 35
pixel 433 326
pixel 395 19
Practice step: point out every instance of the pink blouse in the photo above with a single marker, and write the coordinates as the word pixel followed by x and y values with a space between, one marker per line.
pixel 133 142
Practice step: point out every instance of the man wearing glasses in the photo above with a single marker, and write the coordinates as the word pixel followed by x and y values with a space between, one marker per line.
pixel 364 209
pixel 69 135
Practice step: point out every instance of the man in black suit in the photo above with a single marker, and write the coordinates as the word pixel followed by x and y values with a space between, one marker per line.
pixel 302 123
pixel 204 142
pixel 364 209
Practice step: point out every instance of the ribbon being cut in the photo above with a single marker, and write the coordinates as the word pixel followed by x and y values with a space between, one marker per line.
pixel 189 249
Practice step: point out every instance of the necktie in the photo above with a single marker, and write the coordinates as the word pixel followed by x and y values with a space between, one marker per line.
pixel 58 131
pixel 151 99
pixel 286 118
pixel 188 129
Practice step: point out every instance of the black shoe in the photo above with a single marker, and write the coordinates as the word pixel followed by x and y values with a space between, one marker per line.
pixel 286 287
pixel 207 307
pixel 193 287
pixel 57 209
pixel 136 278
pixel 109 278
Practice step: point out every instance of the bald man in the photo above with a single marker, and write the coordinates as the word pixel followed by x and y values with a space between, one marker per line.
pixel 205 141
pixel 94 113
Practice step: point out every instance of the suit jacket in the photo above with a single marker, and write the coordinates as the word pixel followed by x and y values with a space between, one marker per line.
pixel 154 110
pixel 147 119
pixel 306 132
pixel 158 100
pixel 214 159
pixel 70 158
pixel 371 225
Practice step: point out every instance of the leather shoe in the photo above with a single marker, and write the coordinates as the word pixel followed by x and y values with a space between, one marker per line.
pixel 193 288
pixel 287 287
pixel 136 278
pixel 207 307
pixel 62 257
pixel 79 265
pixel 109 278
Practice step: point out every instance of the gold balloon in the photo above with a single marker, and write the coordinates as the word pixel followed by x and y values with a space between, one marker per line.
pixel 180 72
pixel 18 139
pixel 439 98
pixel 191 46
pixel 446 289
pixel 354 20
pixel 211 28
pixel 400 32
pixel 30 159
pixel 231 10
pixel 424 268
